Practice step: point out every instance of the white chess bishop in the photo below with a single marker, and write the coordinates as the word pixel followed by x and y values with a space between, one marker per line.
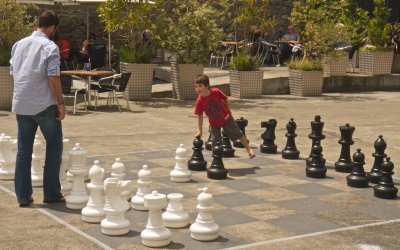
pixel 175 216
pixel 78 198
pixel 205 228
pixel 115 207
pixel 94 210
pixel 181 173
pixel 155 234
pixel 8 148
pixel 37 162
pixel 144 187
pixel 118 171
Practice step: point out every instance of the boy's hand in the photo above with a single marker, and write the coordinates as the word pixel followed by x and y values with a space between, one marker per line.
pixel 198 135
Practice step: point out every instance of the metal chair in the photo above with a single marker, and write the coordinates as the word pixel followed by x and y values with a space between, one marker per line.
pixel 66 85
pixel 223 53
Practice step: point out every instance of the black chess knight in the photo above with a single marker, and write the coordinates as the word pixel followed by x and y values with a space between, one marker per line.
pixel 197 162
pixel 268 146
pixel 290 151
pixel 344 164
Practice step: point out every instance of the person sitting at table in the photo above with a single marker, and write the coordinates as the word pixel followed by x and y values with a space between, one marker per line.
pixel 64 45
pixel 291 37
pixel 94 51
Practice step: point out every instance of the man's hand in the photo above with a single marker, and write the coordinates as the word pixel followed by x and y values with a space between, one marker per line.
pixel 61 112
pixel 198 135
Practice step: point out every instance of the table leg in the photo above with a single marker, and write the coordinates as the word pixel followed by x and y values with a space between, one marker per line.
pixel 89 91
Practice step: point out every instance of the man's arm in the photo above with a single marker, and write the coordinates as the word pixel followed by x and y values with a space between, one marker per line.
pixel 55 86
pixel 200 124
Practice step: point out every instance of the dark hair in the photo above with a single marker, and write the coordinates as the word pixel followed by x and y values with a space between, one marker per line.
pixel 202 79
pixel 48 18
pixel 92 36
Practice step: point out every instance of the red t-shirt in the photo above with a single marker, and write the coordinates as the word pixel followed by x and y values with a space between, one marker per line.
pixel 64 45
pixel 214 106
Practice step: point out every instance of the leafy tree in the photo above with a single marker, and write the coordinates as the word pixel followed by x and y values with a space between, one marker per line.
pixel 378 29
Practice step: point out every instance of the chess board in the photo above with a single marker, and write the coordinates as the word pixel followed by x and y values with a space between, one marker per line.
pixel 262 199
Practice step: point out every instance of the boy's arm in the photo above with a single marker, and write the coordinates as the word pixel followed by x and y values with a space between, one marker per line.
pixel 200 124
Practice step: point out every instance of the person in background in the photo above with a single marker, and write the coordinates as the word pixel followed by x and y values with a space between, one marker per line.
pixel 64 45
pixel 291 38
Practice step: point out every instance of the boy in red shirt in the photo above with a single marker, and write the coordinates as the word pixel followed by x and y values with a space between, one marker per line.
pixel 215 104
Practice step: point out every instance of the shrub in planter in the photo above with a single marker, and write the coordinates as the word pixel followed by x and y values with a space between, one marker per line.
pixel 306 77
pixel 335 64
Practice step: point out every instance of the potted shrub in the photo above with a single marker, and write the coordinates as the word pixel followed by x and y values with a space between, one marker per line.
pixel 135 57
pixel 15 24
pixel 376 57
pixel 396 42
pixel 306 77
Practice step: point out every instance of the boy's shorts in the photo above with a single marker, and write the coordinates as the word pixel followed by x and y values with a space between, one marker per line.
pixel 231 129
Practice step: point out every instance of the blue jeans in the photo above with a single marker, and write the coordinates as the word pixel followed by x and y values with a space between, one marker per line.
pixel 52 132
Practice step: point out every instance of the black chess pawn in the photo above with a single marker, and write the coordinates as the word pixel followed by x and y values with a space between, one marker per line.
pixel 316 133
pixel 344 164
pixel 380 145
pixel 197 162
pixel 290 151
pixel 209 141
pixel 268 146
pixel 227 150
pixel 385 188
pixel 217 169
pixel 316 168
pixel 358 178
pixel 242 123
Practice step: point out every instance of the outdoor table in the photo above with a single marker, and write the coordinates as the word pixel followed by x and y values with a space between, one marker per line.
pixel 89 75
pixel 235 45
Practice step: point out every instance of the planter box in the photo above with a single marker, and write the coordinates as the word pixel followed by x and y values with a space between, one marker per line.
pixel 182 80
pixel 246 84
pixel 335 65
pixel 140 82
pixel 6 88
pixel 376 62
pixel 396 63
pixel 305 83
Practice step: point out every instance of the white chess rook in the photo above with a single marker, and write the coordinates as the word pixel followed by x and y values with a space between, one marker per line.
pixel 155 234
pixel 181 173
pixel 94 210
pixel 8 148
pixel 116 206
pixel 204 229
pixel 144 187
pixel 37 163
pixel 78 198
pixel 175 216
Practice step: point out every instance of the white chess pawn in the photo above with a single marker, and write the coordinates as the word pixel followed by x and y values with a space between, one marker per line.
pixel 37 163
pixel 144 187
pixel 155 234
pixel 175 216
pixel 78 198
pixel 116 206
pixel 181 173
pixel 205 228
pixel 94 210
pixel 118 171
pixel 8 148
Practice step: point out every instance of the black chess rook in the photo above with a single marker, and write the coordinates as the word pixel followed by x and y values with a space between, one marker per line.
pixel 241 123
pixel 375 174
pixel 227 150
pixel 316 168
pixel 217 169
pixel 268 146
pixel 290 151
pixel 316 134
pixel 197 162
pixel 358 178
pixel 385 188
pixel 344 164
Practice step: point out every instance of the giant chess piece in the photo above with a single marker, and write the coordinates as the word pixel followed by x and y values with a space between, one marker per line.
pixel 344 164
pixel 268 146
pixel 290 151
pixel 197 162
pixel 181 173
pixel 78 198
pixel 242 123
pixel 144 183
pixel 205 228
pixel 66 185
pixel 8 148
pixel 155 234
pixel 94 210
pixel 175 216
pixel 208 144
pixel 385 188
pixel 37 163
pixel 375 175
pixel 2 135
pixel 227 150
pixel 115 207
pixel 316 134
pixel 118 171
pixel 65 164
pixel 358 178
pixel 316 168
pixel 217 169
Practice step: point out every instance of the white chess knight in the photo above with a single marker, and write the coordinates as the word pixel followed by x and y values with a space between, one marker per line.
pixel 155 234
pixel 115 207
pixel 144 187
pixel 8 148
pixel 38 157
pixel 175 216
pixel 94 210
pixel 118 171
pixel 205 228
pixel 181 173
pixel 78 198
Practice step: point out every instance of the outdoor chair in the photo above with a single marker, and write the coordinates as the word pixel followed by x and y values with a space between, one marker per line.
pixel 269 50
pixel 68 92
pixel 223 54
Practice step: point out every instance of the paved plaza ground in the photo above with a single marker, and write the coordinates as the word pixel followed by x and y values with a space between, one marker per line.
pixel 266 203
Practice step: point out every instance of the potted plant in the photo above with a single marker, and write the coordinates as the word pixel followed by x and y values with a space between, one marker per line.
pixel 396 42
pixel 376 57
pixel 15 24
pixel 135 57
